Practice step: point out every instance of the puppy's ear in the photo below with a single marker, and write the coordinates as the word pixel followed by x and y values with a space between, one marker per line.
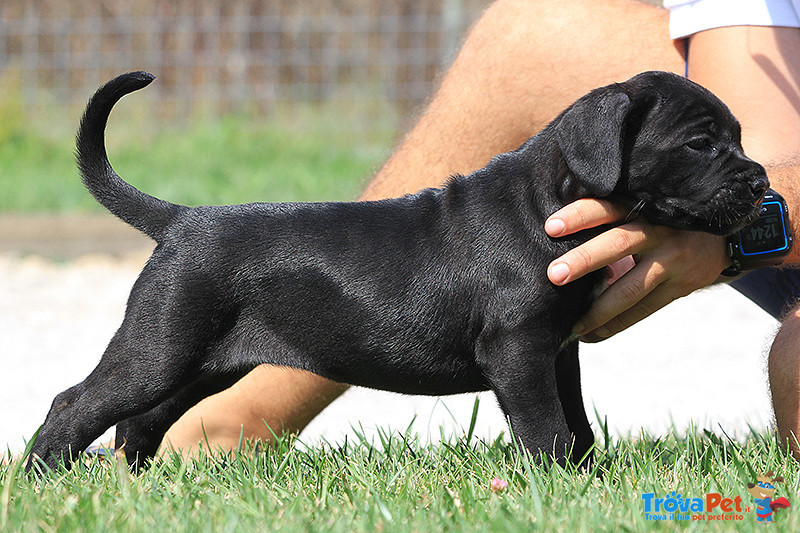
pixel 591 136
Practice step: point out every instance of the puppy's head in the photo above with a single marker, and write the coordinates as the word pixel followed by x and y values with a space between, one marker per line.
pixel 666 146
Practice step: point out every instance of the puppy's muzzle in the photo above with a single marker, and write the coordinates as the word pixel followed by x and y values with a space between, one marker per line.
pixel 759 183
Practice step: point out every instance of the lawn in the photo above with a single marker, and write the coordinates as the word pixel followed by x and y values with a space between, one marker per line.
pixel 398 484
pixel 314 152
pixel 402 484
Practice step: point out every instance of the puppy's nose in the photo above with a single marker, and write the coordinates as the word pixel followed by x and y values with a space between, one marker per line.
pixel 759 185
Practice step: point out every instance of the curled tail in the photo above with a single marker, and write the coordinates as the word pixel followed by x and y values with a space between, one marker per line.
pixel 142 211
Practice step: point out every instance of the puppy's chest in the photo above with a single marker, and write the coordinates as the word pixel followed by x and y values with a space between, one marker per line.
pixel 568 303
pixel 576 297
pixel 529 291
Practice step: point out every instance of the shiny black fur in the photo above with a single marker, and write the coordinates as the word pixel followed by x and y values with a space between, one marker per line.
pixel 439 292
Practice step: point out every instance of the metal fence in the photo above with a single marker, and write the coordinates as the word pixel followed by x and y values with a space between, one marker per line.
pixel 227 55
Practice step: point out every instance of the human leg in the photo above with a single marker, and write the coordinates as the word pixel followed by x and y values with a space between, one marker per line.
pixel 777 291
pixel 522 63
pixel 268 399
pixel 756 72
pixel 784 380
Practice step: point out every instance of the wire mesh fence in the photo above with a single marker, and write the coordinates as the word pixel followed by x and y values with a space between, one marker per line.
pixel 228 55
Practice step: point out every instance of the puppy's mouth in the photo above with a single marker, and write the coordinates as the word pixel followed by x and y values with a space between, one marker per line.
pixel 727 216
pixel 756 209
pixel 754 206
pixel 723 214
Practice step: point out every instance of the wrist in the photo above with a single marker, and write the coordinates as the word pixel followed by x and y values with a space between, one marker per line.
pixel 763 243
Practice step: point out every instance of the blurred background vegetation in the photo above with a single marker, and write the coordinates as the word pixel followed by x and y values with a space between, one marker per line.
pixel 256 100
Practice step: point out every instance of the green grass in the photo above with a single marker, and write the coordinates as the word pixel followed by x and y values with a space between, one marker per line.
pixel 396 484
pixel 400 484
pixel 298 154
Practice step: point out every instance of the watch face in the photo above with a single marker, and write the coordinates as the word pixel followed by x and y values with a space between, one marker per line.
pixel 767 234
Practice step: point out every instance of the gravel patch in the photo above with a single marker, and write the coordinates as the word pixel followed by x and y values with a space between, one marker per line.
pixel 701 360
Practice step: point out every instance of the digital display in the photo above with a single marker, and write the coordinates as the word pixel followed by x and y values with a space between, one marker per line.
pixel 767 234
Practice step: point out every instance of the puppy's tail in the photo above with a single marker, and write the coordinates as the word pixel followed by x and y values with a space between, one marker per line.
pixel 144 212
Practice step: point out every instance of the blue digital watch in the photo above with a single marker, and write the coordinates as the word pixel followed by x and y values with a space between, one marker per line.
pixel 763 243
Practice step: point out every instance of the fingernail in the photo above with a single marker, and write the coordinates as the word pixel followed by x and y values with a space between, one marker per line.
pixel 554 227
pixel 558 273
pixel 578 328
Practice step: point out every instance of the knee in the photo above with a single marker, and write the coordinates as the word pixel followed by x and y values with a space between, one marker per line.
pixel 785 351
pixel 526 18
pixel 579 44
pixel 784 380
pixel 572 16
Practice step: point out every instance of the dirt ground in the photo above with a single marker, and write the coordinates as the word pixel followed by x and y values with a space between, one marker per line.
pixel 64 282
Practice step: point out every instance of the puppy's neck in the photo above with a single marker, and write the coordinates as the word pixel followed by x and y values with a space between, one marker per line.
pixel 560 187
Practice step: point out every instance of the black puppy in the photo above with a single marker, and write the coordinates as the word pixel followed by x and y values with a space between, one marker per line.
pixel 439 292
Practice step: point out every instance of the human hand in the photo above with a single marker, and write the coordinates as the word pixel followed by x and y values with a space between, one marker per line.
pixel 650 265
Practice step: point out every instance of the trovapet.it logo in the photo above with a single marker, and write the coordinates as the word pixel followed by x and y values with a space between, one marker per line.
pixel 716 507
pixel 712 506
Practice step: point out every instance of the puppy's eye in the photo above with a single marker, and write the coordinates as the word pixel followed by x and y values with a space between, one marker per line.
pixel 700 143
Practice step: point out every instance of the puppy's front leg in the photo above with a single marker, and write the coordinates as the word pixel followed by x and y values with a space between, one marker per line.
pixel 568 377
pixel 521 367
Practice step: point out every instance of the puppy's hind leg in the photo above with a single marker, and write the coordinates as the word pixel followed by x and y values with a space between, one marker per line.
pixel 134 375
pixel 141 435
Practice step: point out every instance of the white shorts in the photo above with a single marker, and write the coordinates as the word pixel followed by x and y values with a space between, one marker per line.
pixel 691 16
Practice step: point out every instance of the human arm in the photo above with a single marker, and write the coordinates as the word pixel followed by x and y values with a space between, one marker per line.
pixel 756 71
pixel 668 263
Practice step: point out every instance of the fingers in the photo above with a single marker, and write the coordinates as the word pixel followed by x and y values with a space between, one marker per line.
pixel 633 297
pixel 583 214
pixel 619 268
pixel 608 247
pixel 669 264
pixel 654 301
pixel 686 262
